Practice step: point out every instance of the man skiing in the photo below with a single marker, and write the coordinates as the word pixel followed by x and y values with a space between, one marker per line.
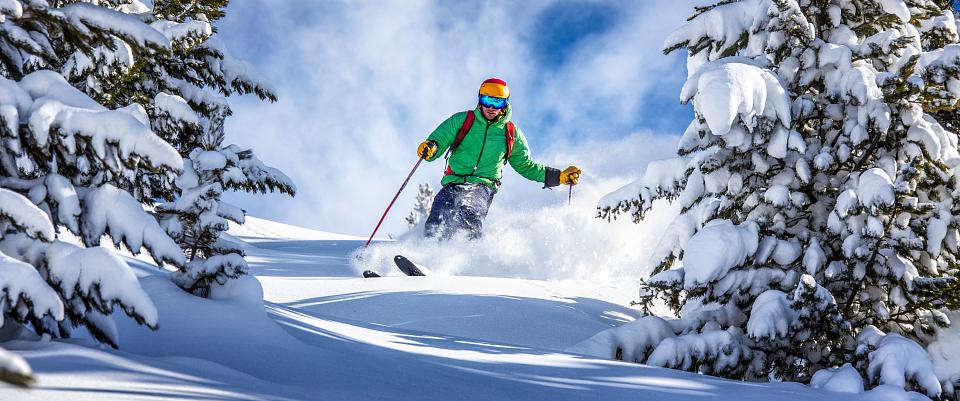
pixel 480 142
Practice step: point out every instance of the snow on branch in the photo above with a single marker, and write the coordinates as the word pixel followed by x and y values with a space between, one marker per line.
pixel 12 8
pixel 630 342
pixel 713 351
pixel 111 211
pixel 718 247
pixel 733 87
pixel 661 178
pixel 896 360
pixel 723 24
pixel 99 279
pixel 120 24
pixel 237 74
pixel 59 106
pixel 178 31
pixel 19 211
pixel 25 294
pixel 771 316
pixel 259 177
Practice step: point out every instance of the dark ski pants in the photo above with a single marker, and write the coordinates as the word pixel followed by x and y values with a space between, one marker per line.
pixel 459 207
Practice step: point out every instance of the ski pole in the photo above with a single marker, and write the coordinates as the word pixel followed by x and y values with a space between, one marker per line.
pixel 391 202
pixel 570 195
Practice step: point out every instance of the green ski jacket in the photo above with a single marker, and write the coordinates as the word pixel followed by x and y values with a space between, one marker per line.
pixel 480 157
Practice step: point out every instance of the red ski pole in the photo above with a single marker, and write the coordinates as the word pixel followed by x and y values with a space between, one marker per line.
pixel 391 202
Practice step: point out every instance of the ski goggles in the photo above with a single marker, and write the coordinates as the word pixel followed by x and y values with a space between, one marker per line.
pixel 494 102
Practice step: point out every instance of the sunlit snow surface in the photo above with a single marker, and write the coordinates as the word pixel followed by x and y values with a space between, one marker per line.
pixel 323 334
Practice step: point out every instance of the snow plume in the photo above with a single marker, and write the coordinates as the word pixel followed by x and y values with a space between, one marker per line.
pixel 551 243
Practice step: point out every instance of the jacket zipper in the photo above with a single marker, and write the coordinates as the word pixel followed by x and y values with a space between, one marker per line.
pixel 482 146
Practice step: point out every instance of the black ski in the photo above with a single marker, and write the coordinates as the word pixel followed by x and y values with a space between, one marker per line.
pixel 370 274
pixel 406 266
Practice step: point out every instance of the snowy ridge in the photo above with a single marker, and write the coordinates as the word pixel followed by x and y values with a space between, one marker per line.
pixel 255 228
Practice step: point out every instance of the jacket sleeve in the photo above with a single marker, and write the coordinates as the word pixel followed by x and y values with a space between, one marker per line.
pixel 446 133
pixel 521 162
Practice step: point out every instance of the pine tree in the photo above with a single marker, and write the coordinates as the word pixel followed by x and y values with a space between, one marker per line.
pixel 183 92
pixel 421 209
pixel 819 200
pixel 69 166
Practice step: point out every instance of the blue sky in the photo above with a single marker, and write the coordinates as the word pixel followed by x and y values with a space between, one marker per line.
pixel 361 83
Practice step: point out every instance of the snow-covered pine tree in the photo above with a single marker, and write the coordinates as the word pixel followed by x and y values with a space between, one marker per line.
pixel 62 158
pixel 421 209
pixel 183 92
pixel 819 200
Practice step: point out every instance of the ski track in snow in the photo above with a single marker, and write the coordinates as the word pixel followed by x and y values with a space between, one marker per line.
pixel 323 334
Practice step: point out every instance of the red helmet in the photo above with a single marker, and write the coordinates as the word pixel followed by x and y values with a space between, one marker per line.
pixel 495 87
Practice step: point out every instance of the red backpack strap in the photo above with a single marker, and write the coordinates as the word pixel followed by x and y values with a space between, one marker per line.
pixel 511 135
pixel 467 123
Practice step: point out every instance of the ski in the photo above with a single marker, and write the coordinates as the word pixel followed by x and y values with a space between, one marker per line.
pixel 406 266
pixel 370 274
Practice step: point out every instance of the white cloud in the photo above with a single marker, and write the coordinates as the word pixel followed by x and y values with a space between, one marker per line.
pixel 362 83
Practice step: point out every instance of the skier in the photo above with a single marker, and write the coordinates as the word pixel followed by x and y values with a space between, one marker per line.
pixel 480 142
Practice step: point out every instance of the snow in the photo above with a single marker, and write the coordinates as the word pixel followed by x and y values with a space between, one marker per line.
pixel 176 107
pixel 728 88
pixel 895 360
pixel 778 195
pixel 844 379
pixel 98 272
pixel 19 210
pixel 13 364
pixel 771 316
pixel 945 354
pixel 875 188
pixel 175 31
pixel 522 243
pixel 896 7
pixel 11 7
pixel 630 342
pixel 20 282
pixel 244 290
pixel 61 191
pixel 683 351
pixel 57 105
pixel 723 24
pixel 814 257
pixel 321 333
pixel 660 176
pixel 109 210
pixel 715 249
pixel 116 22
pixel 209 160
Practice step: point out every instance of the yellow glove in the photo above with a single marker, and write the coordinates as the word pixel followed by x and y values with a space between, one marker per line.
pixel 427 149
pixel 570 176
